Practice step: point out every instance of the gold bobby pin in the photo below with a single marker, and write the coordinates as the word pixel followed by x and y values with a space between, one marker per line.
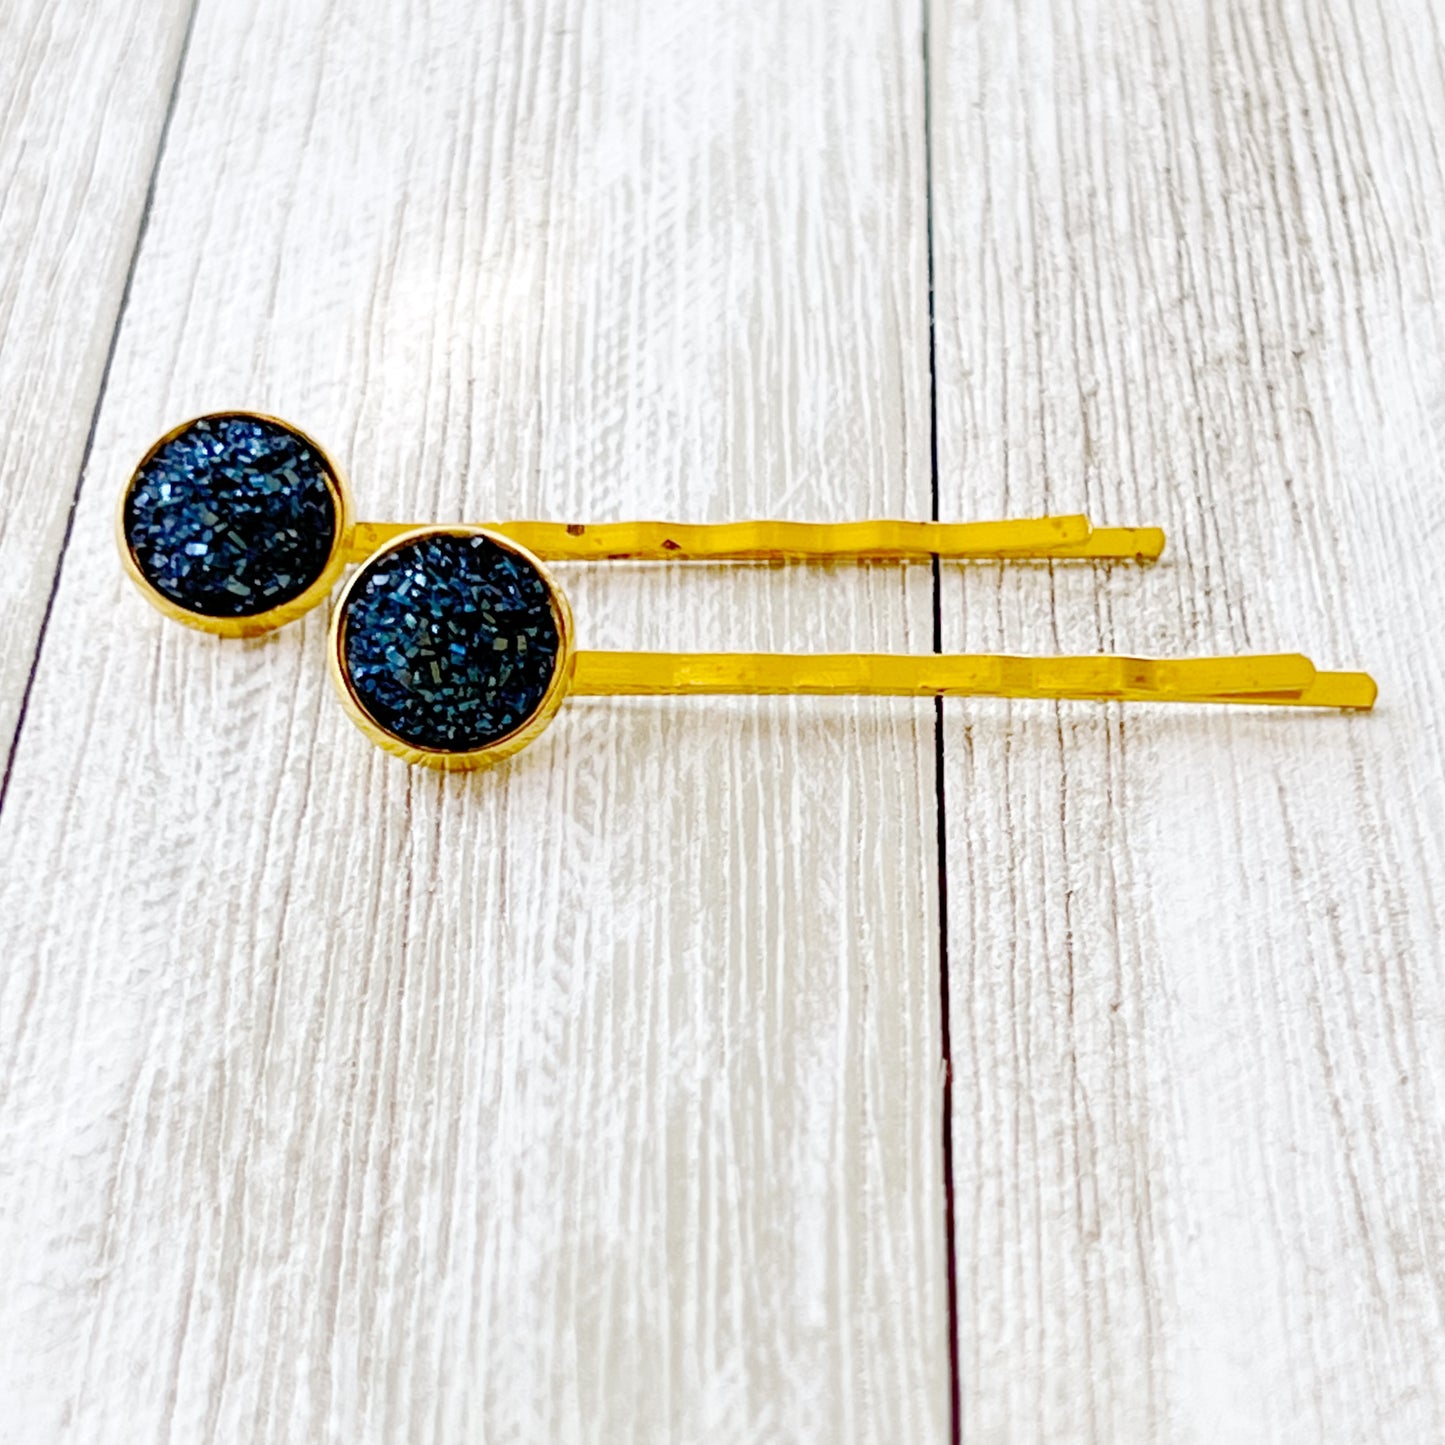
pixel 452 647
pixel 237 523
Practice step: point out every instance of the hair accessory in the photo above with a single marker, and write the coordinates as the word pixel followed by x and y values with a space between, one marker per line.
pixel 237 523
pixel 451 646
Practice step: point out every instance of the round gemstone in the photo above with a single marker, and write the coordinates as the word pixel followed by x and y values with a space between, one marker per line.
pixel 450 641
pixel 232 516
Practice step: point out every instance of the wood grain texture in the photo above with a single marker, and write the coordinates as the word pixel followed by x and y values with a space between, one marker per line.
pixel 597 1098
pixel 83 95
pixel 1188 264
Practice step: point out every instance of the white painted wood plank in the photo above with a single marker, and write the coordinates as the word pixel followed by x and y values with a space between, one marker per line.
pixel 83 94
pixel 1189 263
pixel 597 1098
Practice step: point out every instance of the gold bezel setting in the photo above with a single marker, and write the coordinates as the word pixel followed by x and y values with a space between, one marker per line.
pixel 260 622
pixel 500 748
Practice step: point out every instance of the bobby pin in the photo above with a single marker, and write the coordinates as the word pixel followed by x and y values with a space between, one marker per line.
pixel 237 523
pixel 451 646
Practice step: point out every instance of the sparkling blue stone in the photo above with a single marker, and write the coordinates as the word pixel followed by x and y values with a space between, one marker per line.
pixel 450 641
pixel 231 517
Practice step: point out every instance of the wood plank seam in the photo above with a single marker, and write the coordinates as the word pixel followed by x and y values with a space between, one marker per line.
pixel 119 321
pixel 940 773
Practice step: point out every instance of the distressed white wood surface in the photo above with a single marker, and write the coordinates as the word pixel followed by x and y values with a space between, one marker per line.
pixel 83 94
pixel 597 1098
pixel 1189 263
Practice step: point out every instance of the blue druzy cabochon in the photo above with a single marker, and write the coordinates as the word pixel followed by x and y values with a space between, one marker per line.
pixel 449 641
pixel 231 517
